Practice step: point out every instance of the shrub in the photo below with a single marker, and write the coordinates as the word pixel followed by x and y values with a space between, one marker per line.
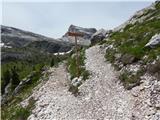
pixel 72 68
pixel 6 80
pixel 52 62
pixel 31 104
pixel 15 78
pixel 21 114
pixel 154 69
pixel 72 65
pixel 130 43
pixel 131 80
pixel 110 55
pixel 85 74
pixel 73 89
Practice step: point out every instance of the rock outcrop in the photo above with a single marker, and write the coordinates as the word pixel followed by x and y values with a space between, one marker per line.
pixel 77 81
pixel 140 16
pixel 85 40
pixel 87 32
pixel 98 36
pixel 154 41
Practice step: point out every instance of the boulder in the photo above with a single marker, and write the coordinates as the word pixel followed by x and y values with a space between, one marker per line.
pixel 77 81
pixel 98 36
pixel 154 41
pixel 4 97
pixel 154 68
pixel 85 40
pixel 128 59
pixel 24 82
pixel 87 32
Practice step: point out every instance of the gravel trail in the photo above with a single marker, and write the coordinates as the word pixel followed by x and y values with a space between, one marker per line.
pixel 105 96
pixel 101 97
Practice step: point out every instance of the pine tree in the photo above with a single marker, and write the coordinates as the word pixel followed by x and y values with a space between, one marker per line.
pixel 52 62
pixel 15 77
pixel 6 80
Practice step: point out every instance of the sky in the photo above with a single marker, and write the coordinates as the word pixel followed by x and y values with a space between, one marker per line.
pixel 53 17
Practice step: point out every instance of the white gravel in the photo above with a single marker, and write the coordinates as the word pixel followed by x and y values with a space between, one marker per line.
pixel 105 98
pixel 101 96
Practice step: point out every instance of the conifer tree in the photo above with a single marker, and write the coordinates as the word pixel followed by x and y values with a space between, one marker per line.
pixel 6 80
pixel 15 77
pixel 52 62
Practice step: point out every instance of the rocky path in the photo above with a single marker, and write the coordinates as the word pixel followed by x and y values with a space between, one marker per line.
pixel 53 98
pixel 101 96
pixel 105 98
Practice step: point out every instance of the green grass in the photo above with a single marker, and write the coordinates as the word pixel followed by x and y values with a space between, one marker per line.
pixel 28 65
pixel 14 111
pixel 22 68
pixel 130 80
pixel 72 65
pixel 21 113
pixel 34 64
pixel 73 90
pixel 72 69
pixel 18 113
pixel 131 41
pixel 110 55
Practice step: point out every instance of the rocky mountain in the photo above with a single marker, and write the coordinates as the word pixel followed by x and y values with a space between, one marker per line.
pixel 99 36
pixel 17 44
pixel 136 41
pixel 118 76
pixel 17 38
pixel 85 40
pixel 148 13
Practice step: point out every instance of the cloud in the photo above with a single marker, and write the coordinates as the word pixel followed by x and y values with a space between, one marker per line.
pixel 53 19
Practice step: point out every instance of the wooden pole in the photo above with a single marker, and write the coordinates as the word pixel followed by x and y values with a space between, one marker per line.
pixel 76 47
pixel 77 56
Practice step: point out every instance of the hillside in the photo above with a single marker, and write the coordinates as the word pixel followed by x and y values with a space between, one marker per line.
pixel 17 38
pixel 20 44
pixel 23 55
pixel 134 47
pixel 119 76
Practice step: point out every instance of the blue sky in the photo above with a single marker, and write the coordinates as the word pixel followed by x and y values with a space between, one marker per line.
pixel 52 18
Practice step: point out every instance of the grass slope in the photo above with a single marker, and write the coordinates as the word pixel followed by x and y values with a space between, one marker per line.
pixel 129 45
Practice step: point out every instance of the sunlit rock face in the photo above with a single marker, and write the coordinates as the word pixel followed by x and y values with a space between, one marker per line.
pixel 99 35
pixel 87 34
pixel 140 16
pixel 154 41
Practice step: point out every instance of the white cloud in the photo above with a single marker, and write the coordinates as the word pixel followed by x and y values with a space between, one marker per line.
pixel 53 19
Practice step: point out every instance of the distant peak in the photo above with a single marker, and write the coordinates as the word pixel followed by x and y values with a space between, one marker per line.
pixel 74 28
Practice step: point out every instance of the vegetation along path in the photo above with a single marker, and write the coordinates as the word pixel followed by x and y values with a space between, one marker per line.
pixel 101 97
